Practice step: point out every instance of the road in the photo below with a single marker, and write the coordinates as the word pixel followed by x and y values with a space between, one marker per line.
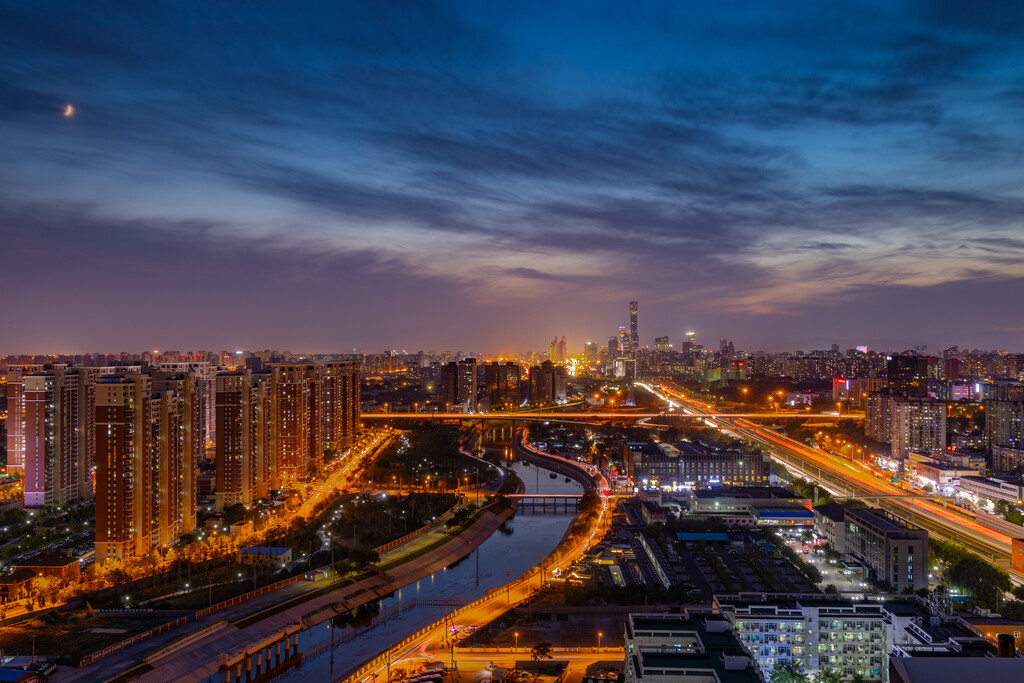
pixel 852 480
pixel 579 416
pixel 431 642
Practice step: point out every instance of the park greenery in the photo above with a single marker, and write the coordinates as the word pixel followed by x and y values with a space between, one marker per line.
pixel 426 457
pixel 970 574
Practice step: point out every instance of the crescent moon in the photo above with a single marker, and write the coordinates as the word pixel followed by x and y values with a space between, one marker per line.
pixel 69 111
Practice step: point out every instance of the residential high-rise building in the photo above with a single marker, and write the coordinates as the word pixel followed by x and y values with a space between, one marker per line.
pixel 183 423
pixel 548 383
pixel 501 385
pixel 235 450
pixel 314 407
pixel 125 470
pixel 261 430
pixel 173 492
pixel 58 438
pixel 917 424
pixel 294 419
pixel 202 373
pixel 878 416
pixel 15 387
pixel 908 374
pixel 1004 423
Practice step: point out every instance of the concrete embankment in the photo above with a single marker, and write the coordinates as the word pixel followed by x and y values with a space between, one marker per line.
pixel 200 662
pixel 557 464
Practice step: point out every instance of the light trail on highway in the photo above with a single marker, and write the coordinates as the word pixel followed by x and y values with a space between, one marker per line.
pixel 834 473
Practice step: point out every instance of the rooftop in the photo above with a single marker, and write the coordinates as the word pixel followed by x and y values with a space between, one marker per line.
pixel 758 492
pixel 833 511
pixel 942 669
pixel 49 561
pixel 264 550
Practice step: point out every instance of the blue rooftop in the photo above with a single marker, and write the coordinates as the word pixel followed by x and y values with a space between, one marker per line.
pixel 264 550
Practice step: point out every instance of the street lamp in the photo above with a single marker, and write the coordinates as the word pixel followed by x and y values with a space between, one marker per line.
pixel 516 634
pixel 599 636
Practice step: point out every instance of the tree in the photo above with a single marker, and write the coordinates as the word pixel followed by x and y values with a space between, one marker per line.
pixel 829 676
pixel 788 672
pixel 981 580
pixel 831 589
pixel 541 650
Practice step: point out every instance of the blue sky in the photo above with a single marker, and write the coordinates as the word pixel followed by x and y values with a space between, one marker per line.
pixel 489 175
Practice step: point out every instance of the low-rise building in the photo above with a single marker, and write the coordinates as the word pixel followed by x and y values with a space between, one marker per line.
pixel 665 648
pixel 59 567
pixel 699 464
pixel 942 475
pixel 769 505
pixel 15 585
pixel 817 633
pixel 894 550
pixel 1007 457
pixel 651 464
pixel 1009 489
pixel 265 556
pixel 828 522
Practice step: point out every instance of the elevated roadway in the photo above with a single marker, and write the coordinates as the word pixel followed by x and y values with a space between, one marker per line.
pixel 849 480
pixel 592 416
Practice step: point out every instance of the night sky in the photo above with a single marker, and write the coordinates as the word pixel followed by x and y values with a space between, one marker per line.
pixel 487 175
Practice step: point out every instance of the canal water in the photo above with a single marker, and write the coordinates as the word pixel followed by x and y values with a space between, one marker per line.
pixel 511 551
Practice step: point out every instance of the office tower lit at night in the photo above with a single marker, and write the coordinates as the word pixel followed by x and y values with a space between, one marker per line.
pixel 634 335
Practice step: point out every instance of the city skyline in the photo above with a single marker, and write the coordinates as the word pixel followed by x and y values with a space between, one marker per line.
pixel 472 176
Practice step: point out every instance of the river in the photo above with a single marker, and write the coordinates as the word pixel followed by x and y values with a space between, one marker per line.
pixel 514 549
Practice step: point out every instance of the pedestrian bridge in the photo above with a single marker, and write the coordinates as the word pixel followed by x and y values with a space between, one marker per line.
pixel 552 501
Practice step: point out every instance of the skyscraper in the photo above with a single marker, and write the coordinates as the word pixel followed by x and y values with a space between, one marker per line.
pixel 917 424
pixel 124 466
pixel 591 351
pixel 501 384
pixel 58 439
pixel 548 383
pixel 234 451
pixel 634 336
pixel 15 388
pixel 908 374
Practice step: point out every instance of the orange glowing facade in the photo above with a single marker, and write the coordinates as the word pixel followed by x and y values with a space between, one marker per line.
pixel 314 408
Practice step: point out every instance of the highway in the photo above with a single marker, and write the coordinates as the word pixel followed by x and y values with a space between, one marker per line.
pixel 851 480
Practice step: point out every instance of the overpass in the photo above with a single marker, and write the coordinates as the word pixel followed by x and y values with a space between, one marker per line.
pixel 856 481
pixel 557 501
pixel 594 416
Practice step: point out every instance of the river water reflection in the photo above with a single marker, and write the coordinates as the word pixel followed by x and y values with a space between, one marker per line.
pixel 517 547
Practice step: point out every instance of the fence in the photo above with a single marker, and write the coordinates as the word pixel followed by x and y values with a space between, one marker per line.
pixel 248 596
pixel 128 642
pixel 414 534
